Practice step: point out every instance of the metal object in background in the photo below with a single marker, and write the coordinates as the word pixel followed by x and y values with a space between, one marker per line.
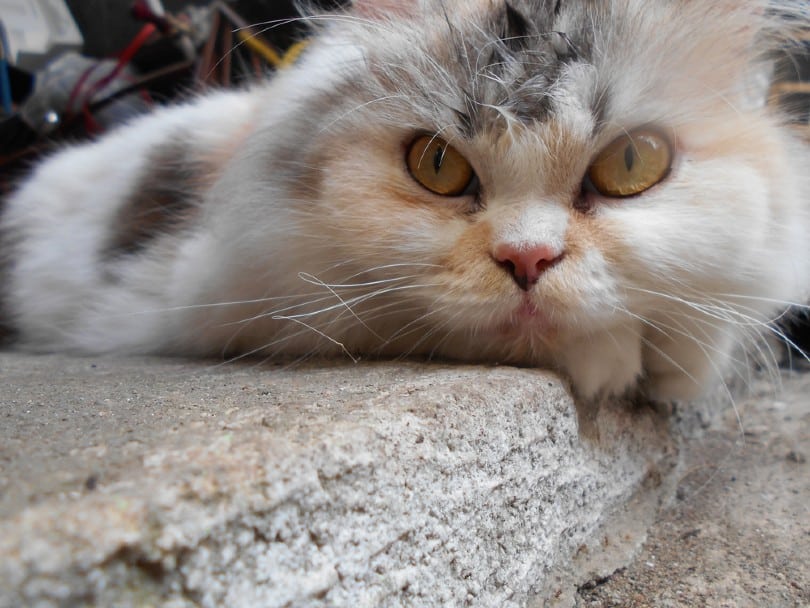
pixel 136 54
pixel 198 45
pixel 62 86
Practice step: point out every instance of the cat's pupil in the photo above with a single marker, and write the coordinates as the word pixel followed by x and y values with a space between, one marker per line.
pixel 629 158
pixel 438 159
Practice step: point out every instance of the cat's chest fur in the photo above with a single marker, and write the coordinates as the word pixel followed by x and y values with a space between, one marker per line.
pixel 593 188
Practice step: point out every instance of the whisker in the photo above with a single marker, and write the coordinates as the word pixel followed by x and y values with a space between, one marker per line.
pixel 313 280
pixel 263 315
pixel 320 333
pixel 447 335
pixel 213 305
pixel 346 305
pixel 411 326
pixel 659 351
pixel 348 113
pixel 343 304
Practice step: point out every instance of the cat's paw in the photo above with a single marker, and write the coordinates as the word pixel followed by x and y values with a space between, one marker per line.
pixel 685 368
pixel 605 364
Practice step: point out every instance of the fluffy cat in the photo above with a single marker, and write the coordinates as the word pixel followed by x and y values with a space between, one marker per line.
pixel 597 187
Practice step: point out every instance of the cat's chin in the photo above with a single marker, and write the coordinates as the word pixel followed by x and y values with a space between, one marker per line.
pixel 526 318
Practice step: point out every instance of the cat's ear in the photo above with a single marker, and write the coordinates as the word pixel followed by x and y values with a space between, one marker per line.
pixel 380 9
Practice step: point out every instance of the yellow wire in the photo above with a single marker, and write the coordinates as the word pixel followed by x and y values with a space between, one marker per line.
pixel 260 48
pixel 269 54
pixel 293 53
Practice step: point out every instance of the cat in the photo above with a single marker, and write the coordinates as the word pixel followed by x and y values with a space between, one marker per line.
pixel 594 187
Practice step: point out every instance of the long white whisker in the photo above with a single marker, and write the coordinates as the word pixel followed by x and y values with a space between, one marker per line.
pixel 276 311
pixel 412 326
pixel 320 333
pixel 349 302
pixel 357 109
pixel 213 305
pixel 313 280
pixel 346 305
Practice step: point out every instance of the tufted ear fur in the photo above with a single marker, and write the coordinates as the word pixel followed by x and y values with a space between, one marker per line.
pixel 380 9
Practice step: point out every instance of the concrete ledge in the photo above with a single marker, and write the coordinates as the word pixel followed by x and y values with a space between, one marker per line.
pixel 738 533
pixel 154 482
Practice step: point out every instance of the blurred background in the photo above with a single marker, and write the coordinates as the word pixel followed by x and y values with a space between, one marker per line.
pixel 75 68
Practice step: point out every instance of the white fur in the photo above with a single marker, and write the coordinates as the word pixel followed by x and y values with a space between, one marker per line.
pixel 64 211
pixel 312 237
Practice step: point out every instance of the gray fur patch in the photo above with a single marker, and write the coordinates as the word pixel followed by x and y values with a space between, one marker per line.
pixel 526 57
pixel 164 202
pixel 475 74
pixel 535 68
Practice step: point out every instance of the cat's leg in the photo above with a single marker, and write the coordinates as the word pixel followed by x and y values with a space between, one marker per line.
pixel 605 363
pixel 680 361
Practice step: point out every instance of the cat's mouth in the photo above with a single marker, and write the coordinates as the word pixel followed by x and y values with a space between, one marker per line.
pixel 527 317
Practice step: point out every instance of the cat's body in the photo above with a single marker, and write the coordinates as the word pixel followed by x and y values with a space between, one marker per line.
pixel 292 219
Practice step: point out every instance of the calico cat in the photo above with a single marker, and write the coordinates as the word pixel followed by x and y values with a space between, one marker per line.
pixel 597 187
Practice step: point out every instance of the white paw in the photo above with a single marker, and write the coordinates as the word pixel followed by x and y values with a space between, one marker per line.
pixel 608 363
pixel 683 367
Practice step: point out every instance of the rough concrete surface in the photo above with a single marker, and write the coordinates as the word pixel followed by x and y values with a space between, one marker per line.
pixel 738 533
pixel 148 482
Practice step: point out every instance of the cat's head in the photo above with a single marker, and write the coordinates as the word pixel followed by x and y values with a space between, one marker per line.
pixel 524 175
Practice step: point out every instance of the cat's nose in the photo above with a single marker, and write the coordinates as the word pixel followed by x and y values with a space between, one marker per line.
pixel 526 264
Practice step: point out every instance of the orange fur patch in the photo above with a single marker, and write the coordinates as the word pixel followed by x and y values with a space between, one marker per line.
pixel 587 232
pixel 471 261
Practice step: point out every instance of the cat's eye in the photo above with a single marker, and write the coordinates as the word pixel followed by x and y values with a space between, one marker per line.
pixel 439 167
pixel 631 164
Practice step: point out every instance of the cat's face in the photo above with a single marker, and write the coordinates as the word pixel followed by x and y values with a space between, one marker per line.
pixel 531 174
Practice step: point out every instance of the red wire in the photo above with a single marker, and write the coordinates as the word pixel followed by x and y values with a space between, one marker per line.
pixel 124 58
pixel 74 93
pixel 142 12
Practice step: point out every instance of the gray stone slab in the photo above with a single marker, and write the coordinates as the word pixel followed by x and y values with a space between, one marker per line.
pixel 146 482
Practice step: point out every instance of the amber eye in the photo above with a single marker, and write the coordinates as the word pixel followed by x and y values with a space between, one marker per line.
pixel 631 164
pixel 439 167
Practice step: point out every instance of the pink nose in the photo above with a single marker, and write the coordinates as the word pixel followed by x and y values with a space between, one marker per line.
pixel 526 264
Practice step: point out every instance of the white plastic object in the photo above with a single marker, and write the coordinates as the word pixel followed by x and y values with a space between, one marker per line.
pixel 37 30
